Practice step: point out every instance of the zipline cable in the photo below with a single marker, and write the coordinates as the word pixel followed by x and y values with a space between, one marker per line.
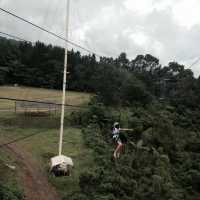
pixel 60 37
pixel 42 102
pixel 14 37
pixel 21 138
pixel 194 63
pixel 46 18
pixel 49 32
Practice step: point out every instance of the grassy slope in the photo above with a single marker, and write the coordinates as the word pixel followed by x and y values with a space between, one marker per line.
pixel 6 173
pixel 9 177
pixel 73 98
pixel 45 144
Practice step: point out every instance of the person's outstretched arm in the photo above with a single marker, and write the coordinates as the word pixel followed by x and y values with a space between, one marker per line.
pixel 126 129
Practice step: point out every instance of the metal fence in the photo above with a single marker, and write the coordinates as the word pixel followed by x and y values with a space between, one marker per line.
pixel 33 107
pixel 36 107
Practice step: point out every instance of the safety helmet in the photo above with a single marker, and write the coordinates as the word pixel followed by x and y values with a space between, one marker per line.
pixel 116 124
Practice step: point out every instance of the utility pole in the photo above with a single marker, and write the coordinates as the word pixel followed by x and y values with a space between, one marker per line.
pixel 64 82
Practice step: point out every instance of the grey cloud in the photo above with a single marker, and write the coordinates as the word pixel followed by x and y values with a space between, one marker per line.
pixel 107 26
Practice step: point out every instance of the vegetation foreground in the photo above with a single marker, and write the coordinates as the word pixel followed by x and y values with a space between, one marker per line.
pixel 43 141
pixel 42 145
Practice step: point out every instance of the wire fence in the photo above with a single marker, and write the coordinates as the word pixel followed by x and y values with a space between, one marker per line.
pixel 21 138
pixel 34 107
pixel 29 114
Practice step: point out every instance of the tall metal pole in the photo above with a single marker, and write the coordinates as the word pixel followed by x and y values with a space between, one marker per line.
pixel 64 82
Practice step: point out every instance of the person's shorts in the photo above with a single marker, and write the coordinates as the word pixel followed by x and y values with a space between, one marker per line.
pixel 122 138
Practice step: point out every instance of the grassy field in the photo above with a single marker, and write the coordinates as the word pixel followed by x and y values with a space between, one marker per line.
pixel 40 94
pixel 44 144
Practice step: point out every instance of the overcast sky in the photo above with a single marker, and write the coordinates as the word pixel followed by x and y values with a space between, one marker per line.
pixel 167 29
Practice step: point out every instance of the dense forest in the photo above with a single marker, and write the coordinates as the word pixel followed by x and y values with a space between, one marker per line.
pixel 162 157
pixel 117 81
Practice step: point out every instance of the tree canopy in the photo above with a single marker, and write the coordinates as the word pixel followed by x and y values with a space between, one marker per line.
pixel 115 80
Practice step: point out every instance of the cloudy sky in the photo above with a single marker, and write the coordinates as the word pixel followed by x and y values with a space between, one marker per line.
pixel 167 29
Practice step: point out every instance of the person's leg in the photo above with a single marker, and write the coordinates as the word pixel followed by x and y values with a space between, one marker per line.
pixel 120 150
pixel 117 150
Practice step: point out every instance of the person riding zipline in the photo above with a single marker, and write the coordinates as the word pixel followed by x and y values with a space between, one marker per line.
pixel 119 138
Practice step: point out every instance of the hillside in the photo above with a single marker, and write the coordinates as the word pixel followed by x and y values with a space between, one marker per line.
pixel 32 141
pixel 30 93
pixel 160 103
pixel 160 161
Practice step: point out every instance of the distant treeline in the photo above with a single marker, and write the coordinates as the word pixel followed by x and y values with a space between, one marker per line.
pixel 115 81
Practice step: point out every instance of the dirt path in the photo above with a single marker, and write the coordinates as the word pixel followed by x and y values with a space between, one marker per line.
pixel 32 176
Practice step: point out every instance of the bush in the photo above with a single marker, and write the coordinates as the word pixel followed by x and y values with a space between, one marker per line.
pixel 10 193
pixel 160 161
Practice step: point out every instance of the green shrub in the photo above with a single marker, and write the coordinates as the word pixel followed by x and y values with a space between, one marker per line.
pixel 9 192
